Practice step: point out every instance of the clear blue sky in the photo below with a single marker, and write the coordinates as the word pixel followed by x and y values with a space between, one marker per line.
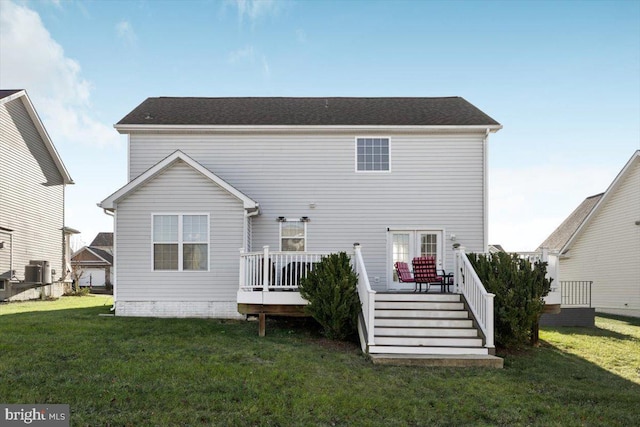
pixel 562 77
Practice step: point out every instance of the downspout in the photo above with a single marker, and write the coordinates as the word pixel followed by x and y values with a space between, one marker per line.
pixel 485 148
pixel 115 267
pixel 248 214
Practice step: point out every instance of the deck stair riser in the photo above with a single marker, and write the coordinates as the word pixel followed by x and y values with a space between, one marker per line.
pixel 388 349
pixel 415 297
pixel 406 305
pixel 423 314
pixel 429 342
pixel 424 323
pixel 426 332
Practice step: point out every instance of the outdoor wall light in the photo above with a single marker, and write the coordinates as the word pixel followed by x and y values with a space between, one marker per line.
pixel 281 219
pixel 305 219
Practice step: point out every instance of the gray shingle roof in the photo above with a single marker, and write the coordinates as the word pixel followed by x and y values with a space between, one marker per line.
pixel 563 233
pixel 104 254
pixel 448 111
pixel 103 239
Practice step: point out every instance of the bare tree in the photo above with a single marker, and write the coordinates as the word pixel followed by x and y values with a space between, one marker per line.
pixel 76 273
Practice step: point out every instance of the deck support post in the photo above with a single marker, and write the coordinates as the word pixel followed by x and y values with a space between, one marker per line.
pixel 265 269
pixel 262 324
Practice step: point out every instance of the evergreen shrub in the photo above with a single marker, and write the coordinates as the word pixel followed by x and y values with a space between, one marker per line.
pixel 519 289
pixel 331 289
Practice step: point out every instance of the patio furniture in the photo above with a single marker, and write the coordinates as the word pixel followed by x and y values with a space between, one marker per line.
pixel 404 275
pixel 425 272
pixel 293 272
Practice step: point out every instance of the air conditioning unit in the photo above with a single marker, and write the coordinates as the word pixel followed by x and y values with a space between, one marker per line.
pixel 38 272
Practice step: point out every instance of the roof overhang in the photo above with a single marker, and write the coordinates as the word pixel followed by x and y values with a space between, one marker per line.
pixel 41 131
pixel 133 128
pixel 110 202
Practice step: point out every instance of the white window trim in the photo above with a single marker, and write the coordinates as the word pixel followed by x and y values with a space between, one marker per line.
pixel 180 242
pixel 280 232
pixel 355 150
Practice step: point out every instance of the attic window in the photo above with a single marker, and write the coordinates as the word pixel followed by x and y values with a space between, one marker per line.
pixel 373 155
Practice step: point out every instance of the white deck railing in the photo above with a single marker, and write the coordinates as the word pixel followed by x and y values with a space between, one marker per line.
pixel 479 300
pixel 366 294
pixel 281 271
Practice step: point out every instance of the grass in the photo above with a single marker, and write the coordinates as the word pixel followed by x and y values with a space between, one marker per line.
pixel 196 372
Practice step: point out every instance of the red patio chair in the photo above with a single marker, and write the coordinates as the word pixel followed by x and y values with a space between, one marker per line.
pixel 404 275
pixel 425 272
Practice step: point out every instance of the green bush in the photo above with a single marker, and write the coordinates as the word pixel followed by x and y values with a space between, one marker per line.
pixel 519 289
pixel 80 292
pixel 331 289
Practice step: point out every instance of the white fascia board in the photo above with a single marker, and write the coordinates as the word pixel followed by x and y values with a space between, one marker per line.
pixel 604 199
pixel 110 202
pixel 33 114
pixel 126 129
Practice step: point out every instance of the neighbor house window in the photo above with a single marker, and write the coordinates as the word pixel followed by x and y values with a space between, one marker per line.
pixel 293 236
pixel 372 154
pixel 181 242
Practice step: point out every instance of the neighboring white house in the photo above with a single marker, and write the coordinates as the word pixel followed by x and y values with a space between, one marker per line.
pixel 94 263
pixel 599 245
pixel 213 181
pixel 33 238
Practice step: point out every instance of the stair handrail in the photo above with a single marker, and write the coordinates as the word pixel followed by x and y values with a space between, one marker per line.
pixel 479 300
pixel 365 293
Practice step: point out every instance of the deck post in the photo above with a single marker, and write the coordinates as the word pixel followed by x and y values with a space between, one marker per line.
pixel 457 267
pixel 489 320
pixel 265 269
pixel 262 324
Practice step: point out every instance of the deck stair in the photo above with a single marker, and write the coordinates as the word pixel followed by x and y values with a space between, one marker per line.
pixel 427 329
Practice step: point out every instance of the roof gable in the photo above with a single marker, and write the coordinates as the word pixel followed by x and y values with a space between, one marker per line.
pixel 110 202
pixel 91 255
pixel 635 159
pixel 563 233
pixel 13 94
pixel 283 111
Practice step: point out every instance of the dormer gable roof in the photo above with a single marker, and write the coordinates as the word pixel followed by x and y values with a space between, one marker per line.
pixel 110 202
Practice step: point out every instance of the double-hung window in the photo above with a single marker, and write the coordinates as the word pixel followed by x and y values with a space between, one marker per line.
pixel 293 236
pixel 181 242
pixel 373 155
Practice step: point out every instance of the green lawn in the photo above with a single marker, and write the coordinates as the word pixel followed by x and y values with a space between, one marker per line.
pixel 198 372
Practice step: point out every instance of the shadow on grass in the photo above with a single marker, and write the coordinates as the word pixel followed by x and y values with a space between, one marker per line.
pixel 595 331
pixel 633 321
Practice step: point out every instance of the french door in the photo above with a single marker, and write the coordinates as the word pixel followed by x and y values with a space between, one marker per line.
pixel 404 245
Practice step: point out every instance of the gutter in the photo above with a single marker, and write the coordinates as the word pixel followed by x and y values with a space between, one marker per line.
pixel 128 128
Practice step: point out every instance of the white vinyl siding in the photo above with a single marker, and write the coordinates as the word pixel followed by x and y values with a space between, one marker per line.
pixel 31 195
pixel 607 251
pixel 437 183
pixel 178 189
